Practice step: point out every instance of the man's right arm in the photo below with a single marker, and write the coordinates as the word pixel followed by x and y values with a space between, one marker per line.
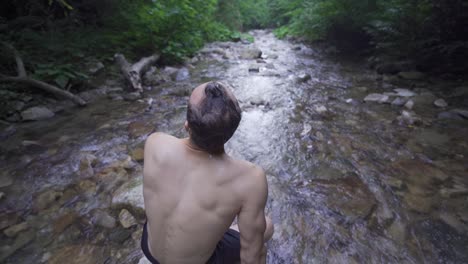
pixel 252 219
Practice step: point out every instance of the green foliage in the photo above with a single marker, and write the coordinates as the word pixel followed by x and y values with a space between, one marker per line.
pixel 62 75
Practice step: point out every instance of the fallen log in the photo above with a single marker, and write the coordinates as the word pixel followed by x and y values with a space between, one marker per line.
pixel 23 78
pixel 132 72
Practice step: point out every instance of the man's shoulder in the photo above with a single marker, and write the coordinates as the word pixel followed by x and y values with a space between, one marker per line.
pixel 253 172
pixel 161 143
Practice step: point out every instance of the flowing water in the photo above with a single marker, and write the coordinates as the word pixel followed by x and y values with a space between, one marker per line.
pixel 348 182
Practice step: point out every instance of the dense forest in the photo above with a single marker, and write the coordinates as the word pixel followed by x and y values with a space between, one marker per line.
pixel 57 40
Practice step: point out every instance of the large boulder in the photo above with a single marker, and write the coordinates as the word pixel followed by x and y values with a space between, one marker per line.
pixel 37 113
pixel 130 194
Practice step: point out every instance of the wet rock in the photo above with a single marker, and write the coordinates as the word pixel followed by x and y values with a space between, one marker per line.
pixel 418 203
pixel 46 199
pixel 180 91
pixel 320 109
pixel 18 105
pixel 449 115
pixel 250 53
pixel 155 77
pixel 13 231
pixel 64 221
pixel 424 99
pixel 120 235
pixel 296 48
pixel 456 191
pixel 348 196
pixel 452 221
pixel 404 92
pixel 5 179
pixel 441 103
pixel 115 97
pixel 254 68
pixel 137 129
pixel 208 50
pixel 395 183
pixel 22 240
pixel 86 165
pixel 412 75
pixel 79 254
pixel 112 177
pixel 126 219
pixel 375 97
pixel 130 193
pixel 409 118
pixel 409 105
pixel 397 231
pixel 259 102
pixel 103 219
pixel 399 101
pixel 138 154
pixel 8 219
pixel 36 113
pixel 261 60
pixel 132 96
pixel 182 75
pixel 87 187
pixel 95 67
pixel 461 112
pixel 303 77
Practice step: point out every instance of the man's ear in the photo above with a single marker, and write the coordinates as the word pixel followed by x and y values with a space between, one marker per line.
pixel 186 126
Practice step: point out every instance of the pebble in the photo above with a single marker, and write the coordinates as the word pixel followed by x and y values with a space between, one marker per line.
pixel 126 219
pixel 409 105
pixel 441 103
pixel 13 231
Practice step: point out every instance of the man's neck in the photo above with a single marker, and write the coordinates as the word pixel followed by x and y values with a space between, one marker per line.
pixel 192 146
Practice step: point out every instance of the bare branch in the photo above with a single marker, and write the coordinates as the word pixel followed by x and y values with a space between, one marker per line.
pixel 44 86
pixel 132 73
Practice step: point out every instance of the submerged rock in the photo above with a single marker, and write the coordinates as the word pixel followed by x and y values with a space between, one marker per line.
pixel 37 113
pixel 45 199
pixel 182 75
pixel 375 97
pixel 412 75
pixel 138 154
pixel 83 254
pixel 303 77
pixel 13 231
pixel 102 218
pixel 21 240
pixel 251 53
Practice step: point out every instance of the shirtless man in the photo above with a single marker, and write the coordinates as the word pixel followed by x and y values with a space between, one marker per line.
pixel 193 190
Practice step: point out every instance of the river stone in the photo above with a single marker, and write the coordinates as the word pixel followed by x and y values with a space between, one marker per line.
pixel 79 254
pixel 21 240
pixel 137 129
pixel 5 179
pixel 404 92
pixel 441 103
pixel 412 75
pixel 453 221
pixel 13 231
pixel 303 77
pixel 399 101
pixel 86 165
pixel 138 154
pixel 182 75
pixel 64 221
pixel 449 115
pixel 250 53
pixel 126 219
pixel 409 105
pixel 461 112
pixel 45 199
pixel 87 187
pixel 426 99
pixel 130 194
pixel 321 109
pixel 132 96
pixel 375 97
pixel 418 203
pixel 119 235
pixel 254 68
pixel 36 113
pixel 103 219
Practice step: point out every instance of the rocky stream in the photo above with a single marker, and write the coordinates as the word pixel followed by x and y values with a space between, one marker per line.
pixel 362 167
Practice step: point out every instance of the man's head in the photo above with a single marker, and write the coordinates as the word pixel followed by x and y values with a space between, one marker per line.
pixel 213 115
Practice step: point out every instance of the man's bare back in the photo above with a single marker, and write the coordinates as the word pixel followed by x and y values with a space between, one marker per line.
pixel 192 197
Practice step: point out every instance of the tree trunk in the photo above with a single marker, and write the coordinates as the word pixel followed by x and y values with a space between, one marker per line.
pixel 132 73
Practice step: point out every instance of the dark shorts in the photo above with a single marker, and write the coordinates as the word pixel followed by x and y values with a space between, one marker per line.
pixel 227 250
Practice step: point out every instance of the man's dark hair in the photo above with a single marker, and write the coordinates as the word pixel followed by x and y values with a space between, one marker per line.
pixel 215 119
